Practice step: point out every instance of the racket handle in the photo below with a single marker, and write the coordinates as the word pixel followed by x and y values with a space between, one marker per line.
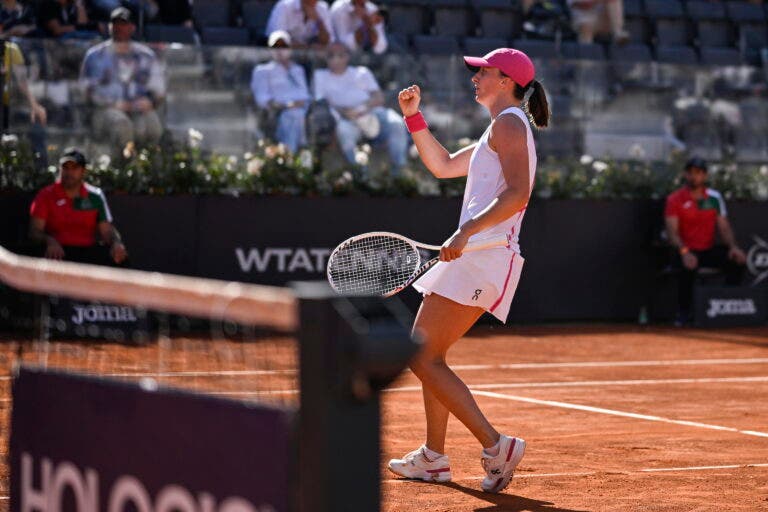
pixel 501 240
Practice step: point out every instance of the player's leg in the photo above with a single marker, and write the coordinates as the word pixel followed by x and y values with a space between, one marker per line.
pixel 440 322
pixel 429 462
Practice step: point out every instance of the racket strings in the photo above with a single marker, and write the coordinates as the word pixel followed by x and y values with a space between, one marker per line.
pixel 373 265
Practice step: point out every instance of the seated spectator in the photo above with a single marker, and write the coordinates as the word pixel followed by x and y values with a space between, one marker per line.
pixel 71 216
pixel 280 88
pixel 598 17
pixel 66 19
pixel 358 104
pixel 359 25
pixel 13 60
pixel 16 19
pixel 125 84
pixel 307 21
pixel 693 215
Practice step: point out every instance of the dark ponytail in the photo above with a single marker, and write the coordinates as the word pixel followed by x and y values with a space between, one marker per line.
pixel 537 106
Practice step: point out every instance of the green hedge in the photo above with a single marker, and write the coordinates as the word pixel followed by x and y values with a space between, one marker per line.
pixel 270 170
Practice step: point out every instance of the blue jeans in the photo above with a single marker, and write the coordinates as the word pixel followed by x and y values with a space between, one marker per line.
pixel 393 134
pixel 290 128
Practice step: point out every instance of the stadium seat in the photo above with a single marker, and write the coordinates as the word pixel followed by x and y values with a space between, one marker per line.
pixel 634 8
pixel 720 56
pixel 752 35
pixel 211 13
pixel 255 15
pixel 741 12
pixel 452 18
pixel 630 53
pixel 482 45
pixel 229 36
pixel 407 17
pixel 170 34
pixel 435 45
pixel 537 49
pixel 637 28
pixel 498 18
pixel 676 55
pixel 705 10
pixel 672 31
pixel 574 50
pixel 714 33
pixel 669 9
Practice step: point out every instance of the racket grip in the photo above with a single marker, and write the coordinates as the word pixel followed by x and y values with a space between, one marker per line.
pixel 501 240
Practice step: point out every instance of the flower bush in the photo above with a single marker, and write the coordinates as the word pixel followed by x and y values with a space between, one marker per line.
pixel 186 168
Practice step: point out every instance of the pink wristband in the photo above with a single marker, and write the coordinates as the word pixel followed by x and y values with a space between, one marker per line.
pixel 416 122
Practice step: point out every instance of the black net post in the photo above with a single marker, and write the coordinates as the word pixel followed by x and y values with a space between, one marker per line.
pixel 350 348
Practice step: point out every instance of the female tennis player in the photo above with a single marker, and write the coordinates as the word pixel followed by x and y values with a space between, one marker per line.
pixel 500 171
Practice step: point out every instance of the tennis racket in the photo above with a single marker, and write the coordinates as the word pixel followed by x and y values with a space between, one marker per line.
pixel 382 263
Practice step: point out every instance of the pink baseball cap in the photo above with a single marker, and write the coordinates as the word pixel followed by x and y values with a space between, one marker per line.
pixel 513 63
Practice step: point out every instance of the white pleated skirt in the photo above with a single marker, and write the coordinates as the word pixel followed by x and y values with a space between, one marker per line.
pixel 487 279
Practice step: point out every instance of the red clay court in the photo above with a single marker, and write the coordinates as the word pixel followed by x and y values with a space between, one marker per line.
pixel 617 418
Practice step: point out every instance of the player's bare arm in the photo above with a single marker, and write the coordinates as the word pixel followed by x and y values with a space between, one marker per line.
pixel 509 139
pixel 440 162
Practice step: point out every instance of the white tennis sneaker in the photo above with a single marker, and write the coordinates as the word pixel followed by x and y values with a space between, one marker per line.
pixel 499 469
pixel 415 465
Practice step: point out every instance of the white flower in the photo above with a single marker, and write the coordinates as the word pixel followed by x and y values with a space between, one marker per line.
pixel 413 151
pixel 366 148
pixel 465 141
pixel 305 159
pixel 586 159
pixel 254 166
pixel 637 151
pixel 248 156
pixel 599 166
pixel 195 138
pixel 103 161
pixel 764 170
pixel 10 139
pixel 361 158
pixel 762 191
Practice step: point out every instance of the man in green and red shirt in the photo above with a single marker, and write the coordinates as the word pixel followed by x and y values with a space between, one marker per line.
pixel 71 217
pixel 693 216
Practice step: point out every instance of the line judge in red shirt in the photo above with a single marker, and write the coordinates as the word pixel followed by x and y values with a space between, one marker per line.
pixel 693 215
pixel 71 217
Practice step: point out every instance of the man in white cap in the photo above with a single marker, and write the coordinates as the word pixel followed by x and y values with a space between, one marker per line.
pixel 280 88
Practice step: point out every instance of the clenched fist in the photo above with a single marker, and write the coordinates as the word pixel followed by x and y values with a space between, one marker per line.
pixel 409 99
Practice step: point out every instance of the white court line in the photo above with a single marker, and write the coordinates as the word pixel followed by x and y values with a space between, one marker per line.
pixel 465 367
pixel 592 383
pixel 597 383
pixel 612 412
pixel 592 473
pixel 598 364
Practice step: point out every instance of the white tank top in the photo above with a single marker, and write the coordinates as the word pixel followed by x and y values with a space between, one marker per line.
pixel 485 182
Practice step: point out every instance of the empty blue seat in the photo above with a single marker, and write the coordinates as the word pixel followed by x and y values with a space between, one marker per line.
pixel 170 34
pixel 741 12
pixel 714 33
pixel 452 18
pixel 498 18
pixel 479 46
pixel 435 45
pixel 676 55
pixel 407 17
pixel 672 31
pixel 705 10
pixel 211 13
pixel 720 56
pixel 664 9
pixel 575 50
pixel 634 8
pixel 630 53
pixel 536 48
pixel 227 36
